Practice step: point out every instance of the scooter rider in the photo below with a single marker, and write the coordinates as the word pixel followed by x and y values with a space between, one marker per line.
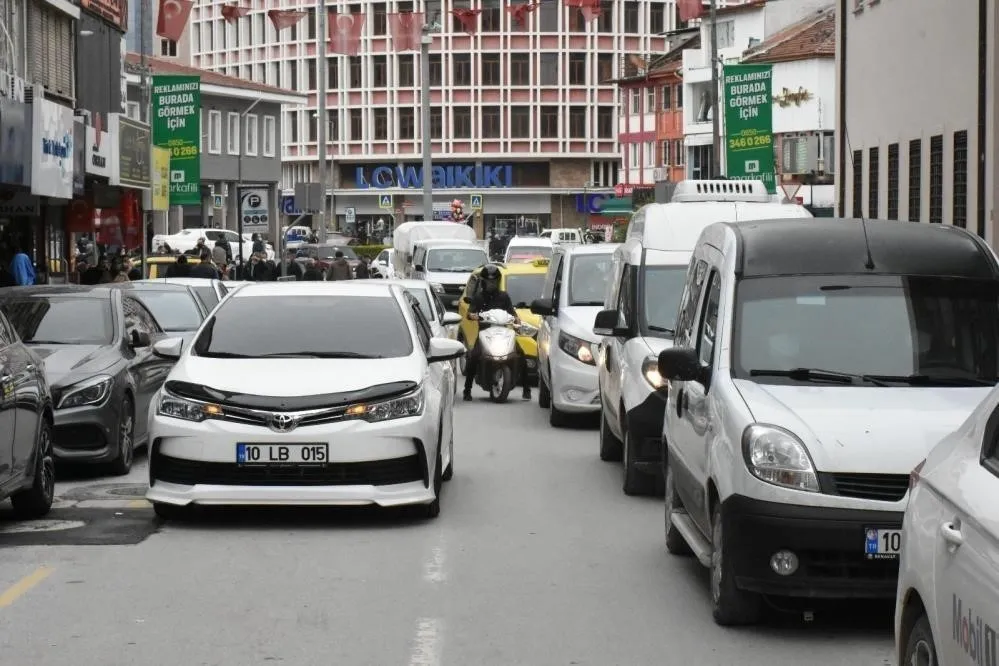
pixel 490 297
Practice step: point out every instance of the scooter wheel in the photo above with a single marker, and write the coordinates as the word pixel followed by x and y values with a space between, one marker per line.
pixel 502 384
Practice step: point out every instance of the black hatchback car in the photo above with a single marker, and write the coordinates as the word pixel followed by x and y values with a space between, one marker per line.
pixel 96 346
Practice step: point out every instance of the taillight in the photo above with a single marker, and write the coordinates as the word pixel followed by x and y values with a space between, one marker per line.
pixel 914 475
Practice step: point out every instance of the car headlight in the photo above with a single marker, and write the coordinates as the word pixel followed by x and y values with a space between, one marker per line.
pixel 650 370
pixel 437 286
pixel 776 456
pixel 91 391
pixel 527 329
pixel 576 348
pixel 402 407
pixel 188 410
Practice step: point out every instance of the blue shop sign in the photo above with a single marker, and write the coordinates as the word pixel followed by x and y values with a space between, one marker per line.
pixel 288 206
pixel 591 203
pixel 483 176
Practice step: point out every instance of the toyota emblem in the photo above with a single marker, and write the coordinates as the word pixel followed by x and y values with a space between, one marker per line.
pixel 282 423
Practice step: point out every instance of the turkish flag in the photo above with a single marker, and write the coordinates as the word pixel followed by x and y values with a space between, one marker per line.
pixel 232 13
pixel 284 18
pixel 406 29
pixel 689 9
pixel 345 33
pixel 172 19
pixel 468 19
pixel 519 12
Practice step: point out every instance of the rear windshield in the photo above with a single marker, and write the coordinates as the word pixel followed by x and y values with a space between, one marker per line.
pixel 524 288
pixel 173 310
pixel 64 320
pixel 525 254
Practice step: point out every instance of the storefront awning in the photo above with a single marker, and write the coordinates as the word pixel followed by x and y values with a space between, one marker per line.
pixel 621 206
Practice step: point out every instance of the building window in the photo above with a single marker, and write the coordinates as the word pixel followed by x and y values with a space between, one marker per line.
pixel 549 69
pixel 311 75
pixel 270 136
pixel 858 183
pixel 456 26
pixel 381 124
pixel 576 21
pixel 650 100
pixel 960 212
pixel 657 18
pixel 490 20
pixel 679 96
pixel 577 69
pixel 549 122
pixel 549 13
pixel 407 73
pixel 333 125
pixel 215 132
pixel 636 101
pixel 491 122
pixel 252 135
pixel 490 69
pixel 294 120
pixel 520 69
pixel 232 134
pixel 356 80
pixel 633 152
pixel 893 181
pixel 380 20
pixel 873 182
pixel 407 123
pixel 520 122
pixel 797 154
pixel 436 122
pixel 665 153
pixel 132 110
pixel 313 134
pixel 462 122
pixel 168 48
pixel 936 179
pixel 333 74
pixel 915 180
pixel 726 34
pixel 631 16
pixel 605 22
pixel 605 67
pixel 462 69
pixel 667 98
pixel 577 122
pixel 605 122
pixel 436 70
pixel 379 71
pixel 679 153
pixel 356 124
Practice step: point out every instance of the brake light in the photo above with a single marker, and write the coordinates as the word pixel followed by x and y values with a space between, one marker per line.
pixel 914 475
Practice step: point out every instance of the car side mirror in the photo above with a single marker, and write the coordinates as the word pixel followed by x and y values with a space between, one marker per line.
pixel 608 324
pixel 444 349
pixel 168 349
pixel 139 339
pixel 543 307
pixel 680 364
pixel 419 268
pixel 450 318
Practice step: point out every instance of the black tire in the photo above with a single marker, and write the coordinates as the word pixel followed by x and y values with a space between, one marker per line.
pixel 36 500
pixel 125 433
pixel 433 509
pixel 500 394
pixel 463 360
pixel 675 543
pixel 449 470
pixel 635 482
pixel 166 511
pixel 610 446
pixel 920 649
pixel 730 606
pixel 557 418
pixel 544 395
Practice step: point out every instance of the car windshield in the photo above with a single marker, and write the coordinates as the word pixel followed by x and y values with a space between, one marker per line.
pixel 662 287
pixel 524 254
pixel 938 330
pixel 306 326
pixel 524 288
pixel 423 298
pixel 63 320
pixel 173 310
pixel 588 278
pixel 455 261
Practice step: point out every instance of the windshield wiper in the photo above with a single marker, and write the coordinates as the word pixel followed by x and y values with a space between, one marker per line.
pixel 661 329
pixel 818 375
pixel 318 354
pixel 936 380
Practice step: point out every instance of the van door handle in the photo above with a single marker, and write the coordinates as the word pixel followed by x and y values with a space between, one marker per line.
pixel 680 397
pixel 951 533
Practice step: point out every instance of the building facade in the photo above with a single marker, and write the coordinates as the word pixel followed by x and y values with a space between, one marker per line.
pixel 526 117
pixel 918 131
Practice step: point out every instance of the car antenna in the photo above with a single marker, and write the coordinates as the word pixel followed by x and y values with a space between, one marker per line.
pixel 869 259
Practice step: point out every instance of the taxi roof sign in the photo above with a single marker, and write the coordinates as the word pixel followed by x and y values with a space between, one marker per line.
pixel 541 261
pixel 689 191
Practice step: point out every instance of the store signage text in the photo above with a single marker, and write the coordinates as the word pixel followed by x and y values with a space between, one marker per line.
pixel 444 177
pixel 973 635
pixel 590 203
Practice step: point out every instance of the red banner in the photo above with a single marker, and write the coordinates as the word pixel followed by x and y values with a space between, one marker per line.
pixel 80 217
pixel 689 9
pixel 285 18
pixel 590 9
pixel 519 12
pixel 172 21
pixel 345 33
pixel 469 19
pixel 232 13
pixel 406 29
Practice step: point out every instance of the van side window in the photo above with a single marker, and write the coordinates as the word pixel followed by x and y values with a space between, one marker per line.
pixel 559 275
pixel 709 321
pixel 549 290
pixel 689 301
pixel 418 256
pixel 626 296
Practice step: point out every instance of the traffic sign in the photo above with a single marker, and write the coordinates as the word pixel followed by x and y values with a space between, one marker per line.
pixel 475 202
pixel 218 201
pixel 351 215
pixel 790 190
pixel 385 201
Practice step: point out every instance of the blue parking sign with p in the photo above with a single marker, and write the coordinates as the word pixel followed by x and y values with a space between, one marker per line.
pixel 385 201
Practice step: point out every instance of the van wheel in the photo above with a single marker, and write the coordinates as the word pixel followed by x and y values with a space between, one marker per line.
pixel 730 605
pixel 544 395
pixel 920 650
pixel 610 446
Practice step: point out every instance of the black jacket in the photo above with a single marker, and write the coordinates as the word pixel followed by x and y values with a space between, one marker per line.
pixel 499 300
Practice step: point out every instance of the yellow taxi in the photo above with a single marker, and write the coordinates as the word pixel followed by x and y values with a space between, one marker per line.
pixel 524 283
pixel 156 266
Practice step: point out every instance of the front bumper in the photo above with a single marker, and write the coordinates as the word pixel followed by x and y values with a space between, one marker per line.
pixel 575 385
pixel 387 464
pixel 829 543
pixel 645 425
pixel 86 434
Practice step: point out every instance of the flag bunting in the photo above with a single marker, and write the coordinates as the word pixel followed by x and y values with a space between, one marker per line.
pixel 468 18
pixel 689 10
pixel 232 13
pixel 519 12
pixel 345 33
pixel 285 18
pixel 172 21
pixel 406 29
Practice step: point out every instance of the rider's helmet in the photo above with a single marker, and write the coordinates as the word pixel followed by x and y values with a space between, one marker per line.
pixel 490 277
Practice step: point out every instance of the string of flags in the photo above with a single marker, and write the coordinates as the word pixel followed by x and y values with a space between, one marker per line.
pixel 405 28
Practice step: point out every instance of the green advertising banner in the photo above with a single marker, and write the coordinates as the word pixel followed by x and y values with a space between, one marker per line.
pixel 177 127
pixel 749 131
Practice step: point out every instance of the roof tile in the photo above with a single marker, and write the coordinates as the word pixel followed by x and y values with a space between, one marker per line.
pixel 165 66
pixel 812 37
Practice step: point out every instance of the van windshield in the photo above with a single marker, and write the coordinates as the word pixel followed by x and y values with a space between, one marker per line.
pixel 588 278
pixel 933 331
pixel 662 287
pixel 460 260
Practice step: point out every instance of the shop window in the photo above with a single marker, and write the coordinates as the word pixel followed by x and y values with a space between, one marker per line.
pixel 915 180
pixel 520 69
pixel 960 210
pixel 858 183
pixel 893 181
pixel 873 182
pixel 936 179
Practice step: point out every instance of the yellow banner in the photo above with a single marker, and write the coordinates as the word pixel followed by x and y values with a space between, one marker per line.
pixel 161 178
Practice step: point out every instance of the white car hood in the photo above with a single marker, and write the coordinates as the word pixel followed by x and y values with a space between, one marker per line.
pixel 449 278
pixel 284 377
pixel 874 430
pixel 579 320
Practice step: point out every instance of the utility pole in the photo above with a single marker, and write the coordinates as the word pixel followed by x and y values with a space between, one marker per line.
pixel 145 114
pixel 323 72
pixel 426 39
pixel 715 107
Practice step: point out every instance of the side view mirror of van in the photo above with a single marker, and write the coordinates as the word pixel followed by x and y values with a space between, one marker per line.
pixel 419 268
pixel 543 307
pixel 608 324
pixel 680 364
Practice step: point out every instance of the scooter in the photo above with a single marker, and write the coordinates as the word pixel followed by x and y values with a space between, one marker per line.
pixel 499 364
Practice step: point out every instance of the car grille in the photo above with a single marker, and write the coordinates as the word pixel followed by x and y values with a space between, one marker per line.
pixel 373 473
pixel 882 487
pixel 453 289
pixel 845 566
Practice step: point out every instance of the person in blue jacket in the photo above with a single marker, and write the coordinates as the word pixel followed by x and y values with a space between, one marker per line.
pixel 21 268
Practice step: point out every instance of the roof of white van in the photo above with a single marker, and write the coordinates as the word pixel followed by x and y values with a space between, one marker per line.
pixel 530 241
pixel 590 248
pixel 677 226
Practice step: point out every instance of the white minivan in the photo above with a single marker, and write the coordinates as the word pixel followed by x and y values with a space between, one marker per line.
pixel 640 312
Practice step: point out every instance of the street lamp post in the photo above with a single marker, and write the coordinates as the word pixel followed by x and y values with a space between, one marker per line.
pixel 145 113
pixel 426 39
pixel 586 200
pixel 323 72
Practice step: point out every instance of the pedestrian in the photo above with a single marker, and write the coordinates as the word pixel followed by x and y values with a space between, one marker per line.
pixel 179 268
pixel 290 267
pixel 363 270
pixel 258 246
pixel 339 268
pixel 312 273
pixel 221 252
pixel 21 268
pixel 205 268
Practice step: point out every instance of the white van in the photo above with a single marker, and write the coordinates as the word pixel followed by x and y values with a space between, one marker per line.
pixel 640 313
pixel 563 236
pixel 447 265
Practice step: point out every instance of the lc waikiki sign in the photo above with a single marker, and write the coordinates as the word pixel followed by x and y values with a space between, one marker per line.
pixel 482 176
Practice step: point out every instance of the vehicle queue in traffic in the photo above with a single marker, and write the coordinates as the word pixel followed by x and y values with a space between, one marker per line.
pixel 814 399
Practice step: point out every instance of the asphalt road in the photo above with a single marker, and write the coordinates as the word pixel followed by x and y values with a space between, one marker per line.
pixel 537 559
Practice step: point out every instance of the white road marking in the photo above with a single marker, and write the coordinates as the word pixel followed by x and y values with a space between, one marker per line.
pixel 427 642
pixel 433 568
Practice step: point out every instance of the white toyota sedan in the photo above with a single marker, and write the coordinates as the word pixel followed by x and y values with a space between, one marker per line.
pixel 305 393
